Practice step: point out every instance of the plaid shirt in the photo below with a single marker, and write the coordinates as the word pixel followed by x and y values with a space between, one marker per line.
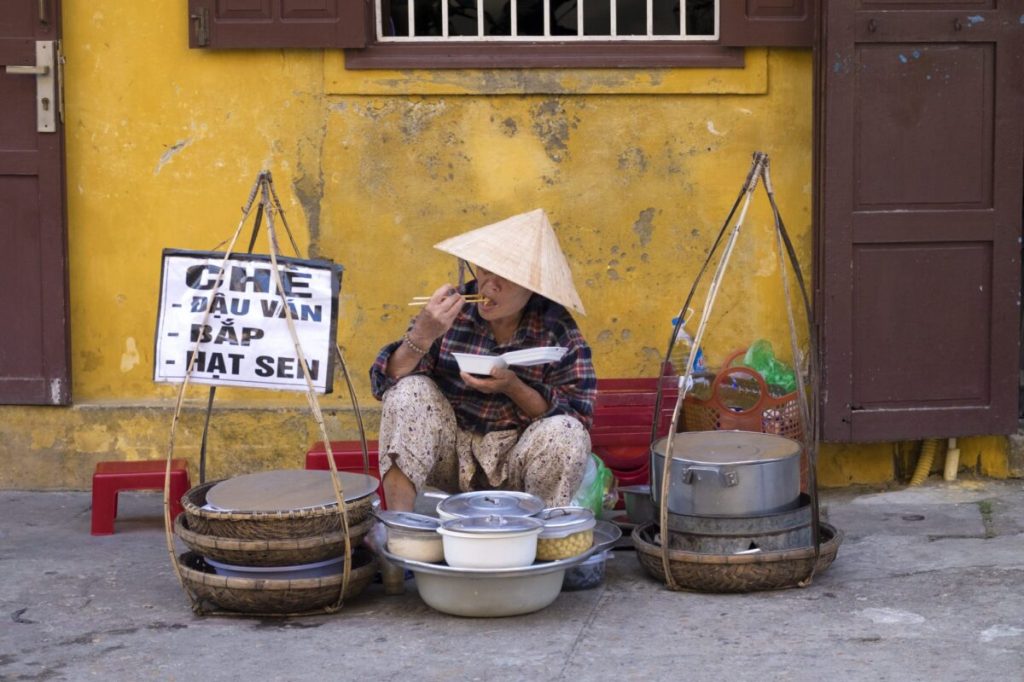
pixel 569 386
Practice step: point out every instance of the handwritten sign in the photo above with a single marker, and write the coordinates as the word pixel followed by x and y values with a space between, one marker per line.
pixel 245 339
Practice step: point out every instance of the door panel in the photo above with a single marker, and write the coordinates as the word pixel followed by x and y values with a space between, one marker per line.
pixel 920 217
pixel 34 366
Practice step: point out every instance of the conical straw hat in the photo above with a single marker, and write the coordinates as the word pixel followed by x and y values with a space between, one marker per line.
pixel 523 249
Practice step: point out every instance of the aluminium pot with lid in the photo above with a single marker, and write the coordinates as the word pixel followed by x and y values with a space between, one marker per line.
pixel 489 503
pixel 728 473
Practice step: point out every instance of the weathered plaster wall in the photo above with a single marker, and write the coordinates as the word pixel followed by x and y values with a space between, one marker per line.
pixel 637 170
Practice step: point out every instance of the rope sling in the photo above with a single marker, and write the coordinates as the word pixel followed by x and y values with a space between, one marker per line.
pixel 759 170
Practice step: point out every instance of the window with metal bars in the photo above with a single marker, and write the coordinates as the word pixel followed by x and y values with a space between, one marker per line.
pixel 546 20
pixel 456 34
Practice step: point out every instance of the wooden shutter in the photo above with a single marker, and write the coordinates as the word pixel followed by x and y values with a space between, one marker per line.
pixel 920 219
pixel 278 23
pixel 768 23
pixel 35 364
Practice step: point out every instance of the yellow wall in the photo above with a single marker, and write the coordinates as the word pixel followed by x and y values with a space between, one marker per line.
pixel 636 168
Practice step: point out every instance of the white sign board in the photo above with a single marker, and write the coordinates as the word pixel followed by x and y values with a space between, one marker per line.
pixel 245 340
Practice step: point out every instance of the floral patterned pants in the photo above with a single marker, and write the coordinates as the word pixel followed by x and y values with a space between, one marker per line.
pixel 418 433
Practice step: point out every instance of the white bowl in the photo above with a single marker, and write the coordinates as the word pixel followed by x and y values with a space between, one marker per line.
pixel 478 364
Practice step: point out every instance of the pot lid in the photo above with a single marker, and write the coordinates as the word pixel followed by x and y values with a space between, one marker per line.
pixel 493 525
pixel 287 490
pixel 561 521
pixel 408 521
pixel 729 447
pixel 491 502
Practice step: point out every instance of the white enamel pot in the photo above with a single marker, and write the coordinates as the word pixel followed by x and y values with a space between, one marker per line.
pixel 490 541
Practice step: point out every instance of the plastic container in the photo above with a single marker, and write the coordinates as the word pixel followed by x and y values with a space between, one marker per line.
pixel 413 536
pixel 568 532
pixel 587 575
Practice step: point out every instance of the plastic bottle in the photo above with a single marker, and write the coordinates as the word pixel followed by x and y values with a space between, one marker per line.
pixel 682 347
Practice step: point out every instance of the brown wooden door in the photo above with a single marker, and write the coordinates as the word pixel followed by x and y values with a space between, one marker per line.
pixel 920 217
pixel 34 366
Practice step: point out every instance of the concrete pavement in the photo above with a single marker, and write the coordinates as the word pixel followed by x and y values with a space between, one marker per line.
pixel 928 585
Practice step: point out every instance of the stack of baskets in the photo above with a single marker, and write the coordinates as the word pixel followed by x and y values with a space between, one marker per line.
pixel 271 539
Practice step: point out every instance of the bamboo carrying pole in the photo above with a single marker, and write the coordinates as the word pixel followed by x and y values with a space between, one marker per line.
pixel 269 206
pixel 760 169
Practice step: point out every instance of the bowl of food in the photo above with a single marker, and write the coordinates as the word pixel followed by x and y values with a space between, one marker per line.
pixel 413 536
pixel 567 532
pixel 490 541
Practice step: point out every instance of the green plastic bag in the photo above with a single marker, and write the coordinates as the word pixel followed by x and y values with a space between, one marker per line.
pixel 593 491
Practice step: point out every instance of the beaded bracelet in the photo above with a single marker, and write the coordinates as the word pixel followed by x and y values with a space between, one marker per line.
pixel 412 346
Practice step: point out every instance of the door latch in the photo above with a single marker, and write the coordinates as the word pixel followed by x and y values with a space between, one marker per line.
pixel 46 85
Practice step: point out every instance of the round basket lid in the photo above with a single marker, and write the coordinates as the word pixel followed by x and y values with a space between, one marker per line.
pixel 729 447
pixel 408 521
pixel 562 521
pixel 493 525
pixel 491 502
pixel 287 490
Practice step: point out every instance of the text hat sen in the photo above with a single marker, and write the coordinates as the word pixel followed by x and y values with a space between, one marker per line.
pixel 523 249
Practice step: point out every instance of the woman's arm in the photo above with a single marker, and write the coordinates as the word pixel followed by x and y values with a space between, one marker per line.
pixel 431 324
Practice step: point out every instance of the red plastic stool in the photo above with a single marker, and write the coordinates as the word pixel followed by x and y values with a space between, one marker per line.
pixel 112 477
pixel 348 456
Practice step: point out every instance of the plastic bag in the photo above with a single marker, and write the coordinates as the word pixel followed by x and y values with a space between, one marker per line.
pixel 779 376
pixel 593 493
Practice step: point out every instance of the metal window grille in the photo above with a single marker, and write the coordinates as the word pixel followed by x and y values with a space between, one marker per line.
pixel 407 21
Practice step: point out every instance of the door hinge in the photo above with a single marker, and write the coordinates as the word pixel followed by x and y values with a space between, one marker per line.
pixel 201 19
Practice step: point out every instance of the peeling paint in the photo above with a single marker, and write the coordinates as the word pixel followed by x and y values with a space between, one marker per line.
pixel 713 130
pixel 975 19
pixel 633 159
pixel 552 125
pixel 56 391
pixel 130 357
pixel 644 226
pixel 171 152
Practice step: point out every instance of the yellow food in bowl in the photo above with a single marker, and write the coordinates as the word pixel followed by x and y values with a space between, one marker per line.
pixel 552 549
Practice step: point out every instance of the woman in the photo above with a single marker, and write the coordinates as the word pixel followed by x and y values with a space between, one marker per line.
pixel 521 428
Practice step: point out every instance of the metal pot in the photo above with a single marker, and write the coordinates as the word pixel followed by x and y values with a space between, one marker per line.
pixel 728 473
pixel 490 541
pixel 639 506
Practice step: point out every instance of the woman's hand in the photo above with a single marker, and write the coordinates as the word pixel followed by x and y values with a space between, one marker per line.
pixel 504 380
pixel 437 316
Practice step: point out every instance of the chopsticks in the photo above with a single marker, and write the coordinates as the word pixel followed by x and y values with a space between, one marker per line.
pixel 471 298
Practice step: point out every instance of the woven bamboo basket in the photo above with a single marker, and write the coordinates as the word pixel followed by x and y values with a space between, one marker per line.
pixel 273 597
pixel 289 552
pixel 702 572
pixel 282 525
